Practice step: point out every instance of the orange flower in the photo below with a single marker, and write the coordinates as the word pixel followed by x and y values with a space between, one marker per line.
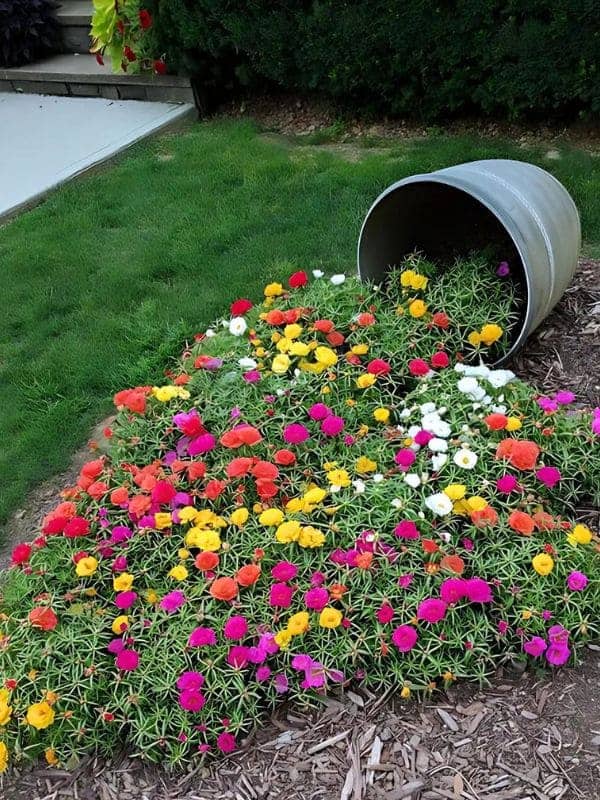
pixel 275 317
pixel 521 453
pixel 248 574
pixel 242 435
pixel 224 589
pixel 97 489
pixel 429 546
pixel 335 338
pixel 486 516
pixel 453 563
pixel 496 422
pixel 337 591
pixel 139 504
pixel 182 379
pixel 544 521
pixel 323 325
pixel 363 561
pixel 43 617
pixel 522 523
pixel 206 560
pixel 119 496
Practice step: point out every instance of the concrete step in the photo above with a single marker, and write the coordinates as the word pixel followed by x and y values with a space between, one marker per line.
pixel 75 18
pixel 82 76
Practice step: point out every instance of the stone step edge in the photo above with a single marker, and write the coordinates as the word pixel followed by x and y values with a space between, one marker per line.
pixel 159 81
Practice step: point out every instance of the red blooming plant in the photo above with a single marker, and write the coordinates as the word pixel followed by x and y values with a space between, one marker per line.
pixel 120 31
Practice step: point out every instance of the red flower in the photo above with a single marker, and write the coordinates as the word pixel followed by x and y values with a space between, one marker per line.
pixel 238 467
pixel 266 489
pixel 324 325
pixel 160 68
pixel 378 367
pixel 43 617
pixel 214 488
pixel 239 307
pixel 21 554
pixel 335 338
pixel 365 319
pixel 440 360
pixel 298 279
pixel 265 471
pixel 418 367
pixel 206 561
pixel 78 526
pixel 129 54
pixel 440 318
pixel 496 422
pixel 284 458
pixel 429 546
pixel 145 19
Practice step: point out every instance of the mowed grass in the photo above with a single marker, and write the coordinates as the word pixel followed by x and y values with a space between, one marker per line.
pixel 102 283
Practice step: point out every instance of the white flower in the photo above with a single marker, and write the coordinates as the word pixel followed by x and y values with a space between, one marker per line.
pixel 487 400
pixel 412 479
pixel 405 413
pixel 439 503
pixel 237 326
pixel 397 503
pixel 318 273
pixel 442 410
pixel 460 367
pixel 436 425
pixel 438 461
pixel 500 377
pixel 437 445
pixel 280 392
pixel 334 488
pixel 427 408
pixel 210 333
pixel 465 458
pixel 481 371
pixel 471 388
pixel 247 363
pixel 359 486
pixel 413 430
pixel 444 536
pixel 501 409
pixel 338 279
pixel 378 477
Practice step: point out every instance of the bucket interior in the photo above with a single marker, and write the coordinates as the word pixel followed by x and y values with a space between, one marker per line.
pixel 440 221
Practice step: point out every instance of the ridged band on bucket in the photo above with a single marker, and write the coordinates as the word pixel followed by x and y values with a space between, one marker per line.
pixel 454 211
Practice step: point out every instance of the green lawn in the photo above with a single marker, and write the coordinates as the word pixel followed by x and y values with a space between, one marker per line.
pixel 103 281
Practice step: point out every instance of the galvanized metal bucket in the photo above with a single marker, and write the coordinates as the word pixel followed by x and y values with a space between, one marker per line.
pixel 517 206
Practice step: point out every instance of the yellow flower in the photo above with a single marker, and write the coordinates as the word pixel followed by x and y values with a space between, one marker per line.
pixel 162 520
pixel 477 503
pixel 183 554
pixel 298 623
pixel 338 477
pixel 360 349
pixel 315 495
pixel 120 624
pixel 455 491
pixel 3 757
pixel 186 514
pixel 365 380
pixel 306 366
pixel 288 532
pixel 364 465
pixel 311 537
pixel 283 345
pixel 280 364
pixel 526 614
pixel 50 756
pixel 205 540
pixel 40 715
pixel 513 424
pixel 152 597
pixel 330 617
pixel 86 566
pixel 299 349
pixel 543 563
pixel 474 339
pixel 292 331
pixel 294 505
pixel 581 534
pixel 239 517
pixel 5 713
pixel 260 352
pixel 178 573
pixel 419 282
pixel 417 309
pixel 283 638
pixel 273 290
pixel 350 402
pixel 407 277
pixel 382 415
pixel 165 393
pixel 272 516
pixel 326 356
pixel 405 693
pixel 123 582
pixel 490 333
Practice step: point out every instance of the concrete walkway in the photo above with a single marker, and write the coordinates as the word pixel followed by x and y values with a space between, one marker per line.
pixel 46 140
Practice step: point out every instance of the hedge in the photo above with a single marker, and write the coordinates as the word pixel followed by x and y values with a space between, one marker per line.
pixel 422 58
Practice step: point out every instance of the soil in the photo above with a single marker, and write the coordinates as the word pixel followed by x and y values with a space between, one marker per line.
pixel 527 737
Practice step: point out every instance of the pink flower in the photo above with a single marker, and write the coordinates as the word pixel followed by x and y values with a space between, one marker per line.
pixel 558 635
pixel 405 638
pixel 235 628
pixel 440 360
pixel 172 601
pixel 404 581
pixel 295 433
pixel 432 610
pixel 263 674
pixel 384 614
pixel 423 437
pixel 316 599
pixel 406 530
pixel 564 398
pixel 502 627
pixel 506 484
pixel 127 660
pixel 332 425
pixel 349 440
pixel 547 404
pixel 557 654
pixel 577 581
pixel 549 476
pixel 281 683
pixel 226 742
pixel 405 459
pixel 191 700
pixel 418 367
pixel 202 444
pixel 125 599
pixel 596 422
pixel 280 595
pixel 478 591
pixel 284 571
pixel 237 656
pixel 201 637
pixel 319 411
pixel 252 376
pixel 190 680
pixel 503 269
pixel 453 590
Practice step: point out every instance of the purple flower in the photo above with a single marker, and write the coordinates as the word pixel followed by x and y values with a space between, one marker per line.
pixel 547 404
pixel 557 654
pixel 564 398
pixel 503 269
pixel 558 635
pixel 172 601
pixel 577 581
pixel 596 422
pixel 535 646
pixel 281 683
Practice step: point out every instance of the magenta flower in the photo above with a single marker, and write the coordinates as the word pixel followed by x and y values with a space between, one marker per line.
pixel 503 269
pixel 252 376
pixel 316 599
pixel 404 581
pixel 319 411
pixel 596 422
pixel 172 601
pixel 564 398
pixel 284 571
pixel 190 680
pixel 423 437
pixel 384 614
pixel 332 426
pixel 549 476
pixel 502 627
pixel 478 591
pixel 558 635
pixel 226 742
pixel 506 484
pixel 202 444
pixel 237 656
pixel 115 646
pixel 235 628
pixel 202 637
pixel 406 530
pixel 432 610
pixel 547 404
pixel 125 599
pixel 558 654
pixel 453 590
pixel 295 433
pixel 405 459
pixel 281 683
pixel 263 674
pixel 280 595
pixel 127 660
pixel 405 638
pixel 577 581
pixel 191 700
pixel 535 646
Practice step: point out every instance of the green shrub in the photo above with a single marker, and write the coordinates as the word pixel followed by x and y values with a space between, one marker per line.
pixel 28 30
pixel 517 58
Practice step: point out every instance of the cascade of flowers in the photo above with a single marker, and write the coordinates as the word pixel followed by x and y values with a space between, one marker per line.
pixel 329 488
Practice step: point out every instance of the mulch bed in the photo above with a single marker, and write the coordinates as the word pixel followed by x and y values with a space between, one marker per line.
pixel 527 737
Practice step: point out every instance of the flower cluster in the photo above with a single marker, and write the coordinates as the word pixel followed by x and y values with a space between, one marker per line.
pixel 324 491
